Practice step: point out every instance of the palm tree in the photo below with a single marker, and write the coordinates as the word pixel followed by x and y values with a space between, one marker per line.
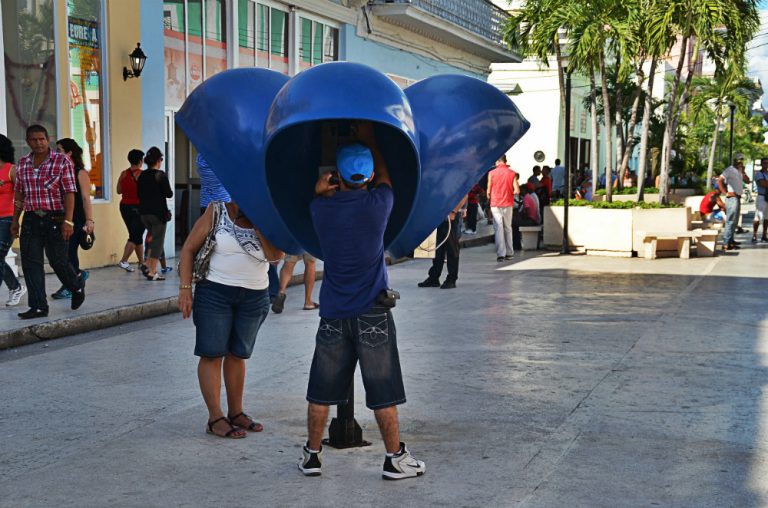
pixel 728 87
pixel 721 29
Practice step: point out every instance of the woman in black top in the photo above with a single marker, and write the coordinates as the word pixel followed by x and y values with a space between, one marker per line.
pixel 83 212
pixel 154 188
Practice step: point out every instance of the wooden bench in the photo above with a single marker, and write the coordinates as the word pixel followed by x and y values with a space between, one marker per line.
pixel 530 237
pixel 683 238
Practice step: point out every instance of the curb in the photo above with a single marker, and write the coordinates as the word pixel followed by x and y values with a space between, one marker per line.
pixel 87 322
pixel 121 315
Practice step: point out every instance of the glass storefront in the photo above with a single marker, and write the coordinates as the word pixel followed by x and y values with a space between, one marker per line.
pixel 30 68
pixel 175 47
pixel 86 88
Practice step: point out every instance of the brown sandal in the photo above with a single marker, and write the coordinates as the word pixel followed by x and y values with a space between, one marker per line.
pixel 230 434
pixel 253 426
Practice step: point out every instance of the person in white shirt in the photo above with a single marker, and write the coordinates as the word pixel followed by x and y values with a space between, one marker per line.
pixel 229 305
pixel 558 180
pixel 761 182
pixel 731 184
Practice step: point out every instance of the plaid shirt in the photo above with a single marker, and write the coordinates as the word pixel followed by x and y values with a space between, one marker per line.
pixel 45 186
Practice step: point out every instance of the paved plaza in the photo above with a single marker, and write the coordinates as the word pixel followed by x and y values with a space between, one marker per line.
pixel 544 382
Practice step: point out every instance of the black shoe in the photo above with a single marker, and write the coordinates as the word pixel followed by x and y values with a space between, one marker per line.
pixel 508 257
pixel 429 283
pixel 735 243
pixel 754 239
pixel 78 297
pixel 500 259
pixel 279 303
pixel 740 230
pixel 449 284
pixel 33 313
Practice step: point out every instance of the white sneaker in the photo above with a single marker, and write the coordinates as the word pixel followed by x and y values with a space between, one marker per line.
pixel 14 296
pixel 125 265
pixel 310 463
pixel 402 465
pixel 470 232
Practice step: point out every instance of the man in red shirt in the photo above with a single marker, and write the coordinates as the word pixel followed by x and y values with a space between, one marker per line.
pixel 707 207
pixel 502 189
pixel 45 190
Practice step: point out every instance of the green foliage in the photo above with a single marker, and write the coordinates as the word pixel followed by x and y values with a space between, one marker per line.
pixel 615 205
pixel 628 191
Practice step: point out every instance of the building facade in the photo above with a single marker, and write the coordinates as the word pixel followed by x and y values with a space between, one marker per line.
pixel 64 62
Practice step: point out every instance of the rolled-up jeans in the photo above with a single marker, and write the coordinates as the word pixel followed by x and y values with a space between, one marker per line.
pixel 732 209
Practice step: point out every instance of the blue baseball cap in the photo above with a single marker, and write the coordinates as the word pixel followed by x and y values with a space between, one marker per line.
pixel 355 163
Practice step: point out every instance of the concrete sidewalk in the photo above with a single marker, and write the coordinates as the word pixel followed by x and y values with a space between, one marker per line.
pixel 547 381
pixel 114 297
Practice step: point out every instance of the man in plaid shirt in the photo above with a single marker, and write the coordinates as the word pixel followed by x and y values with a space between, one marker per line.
pixel 45 191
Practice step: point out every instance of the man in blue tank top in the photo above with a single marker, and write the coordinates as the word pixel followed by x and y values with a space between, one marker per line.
pixel 350 220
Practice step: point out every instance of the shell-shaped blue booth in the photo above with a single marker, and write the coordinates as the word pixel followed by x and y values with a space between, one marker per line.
pixel 267 138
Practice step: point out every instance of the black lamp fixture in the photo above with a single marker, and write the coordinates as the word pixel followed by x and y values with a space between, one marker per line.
pixel 138 58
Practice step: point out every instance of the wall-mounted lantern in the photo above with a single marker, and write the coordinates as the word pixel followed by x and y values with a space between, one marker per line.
pixel 138 58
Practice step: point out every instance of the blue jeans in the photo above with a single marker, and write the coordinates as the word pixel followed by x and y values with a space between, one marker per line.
pixel 340 343
pixel 227 319
pixel 732 210
pixel 5 245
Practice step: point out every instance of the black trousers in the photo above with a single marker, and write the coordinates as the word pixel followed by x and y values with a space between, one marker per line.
pixel 472 216
pixel 43 235
pixel 449 250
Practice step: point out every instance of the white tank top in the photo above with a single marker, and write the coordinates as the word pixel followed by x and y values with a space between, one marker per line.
pixel 230 264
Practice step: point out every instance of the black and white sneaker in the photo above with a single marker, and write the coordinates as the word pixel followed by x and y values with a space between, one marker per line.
pixel 310 463
pixel 402 465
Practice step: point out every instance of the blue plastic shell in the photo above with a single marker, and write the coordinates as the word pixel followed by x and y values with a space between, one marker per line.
pixel 268 137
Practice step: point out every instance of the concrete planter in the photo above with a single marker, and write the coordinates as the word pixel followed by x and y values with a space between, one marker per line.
pixel 606 232
pixel 597 231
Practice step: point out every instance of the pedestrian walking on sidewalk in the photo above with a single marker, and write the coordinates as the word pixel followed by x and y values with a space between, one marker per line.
pixel 356 322
pixel 761 182
pixel 448 234
pixel 153 189
pixel 286 273
pixel 45 191
pixel 83 213
pixel 127 187
pixel 229 305
pixel 502 190
pixel 7 178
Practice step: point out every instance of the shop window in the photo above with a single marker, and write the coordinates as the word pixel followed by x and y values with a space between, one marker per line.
pixel 85 45
pixel 195 43
pixel 215 37
pixel 175 47
pixel 263 36
pixel 30 68
pixel 319 43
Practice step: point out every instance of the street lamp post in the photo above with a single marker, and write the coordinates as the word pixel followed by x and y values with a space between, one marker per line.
pixel 566 248
pixel 730 147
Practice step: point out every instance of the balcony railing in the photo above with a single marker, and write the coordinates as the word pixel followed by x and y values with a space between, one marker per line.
pixel 480 17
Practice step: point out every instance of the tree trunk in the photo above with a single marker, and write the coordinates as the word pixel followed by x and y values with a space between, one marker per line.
pixel 647 112
pixel 666 148
pixel 619 132
pixel 560 74
pixel 711 163
pixel 675 119
pixel 594 145
pixel 630 139
pixel 608 132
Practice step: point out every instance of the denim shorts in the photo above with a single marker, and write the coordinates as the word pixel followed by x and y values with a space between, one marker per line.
pixel 340 343
pixel 227 319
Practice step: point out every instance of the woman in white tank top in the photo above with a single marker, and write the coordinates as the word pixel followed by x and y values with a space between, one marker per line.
pixel 229 305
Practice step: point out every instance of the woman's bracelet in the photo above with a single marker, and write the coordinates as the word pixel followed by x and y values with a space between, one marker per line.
pixel 90 220
pixel 185 286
